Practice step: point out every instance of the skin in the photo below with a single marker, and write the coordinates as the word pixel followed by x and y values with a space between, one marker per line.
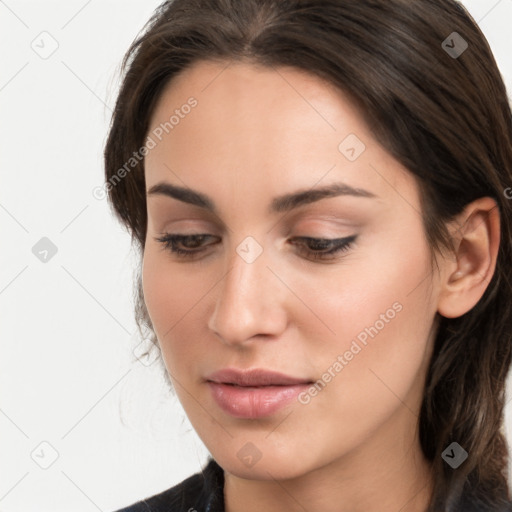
pixel 257 133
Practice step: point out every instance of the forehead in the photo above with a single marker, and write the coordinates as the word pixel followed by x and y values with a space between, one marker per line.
pixel 271 126
pixel 231 88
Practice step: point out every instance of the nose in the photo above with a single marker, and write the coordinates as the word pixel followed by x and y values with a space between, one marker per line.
pixel 249 303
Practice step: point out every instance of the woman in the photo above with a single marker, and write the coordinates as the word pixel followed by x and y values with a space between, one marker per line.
pixel 320 192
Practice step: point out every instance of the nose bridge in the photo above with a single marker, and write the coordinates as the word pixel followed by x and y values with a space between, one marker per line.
pixel 247 301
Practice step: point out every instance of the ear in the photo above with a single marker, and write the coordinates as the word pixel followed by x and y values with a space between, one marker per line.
pixel 466 275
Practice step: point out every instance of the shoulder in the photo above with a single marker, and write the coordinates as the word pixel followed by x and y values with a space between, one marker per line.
pixel 203 491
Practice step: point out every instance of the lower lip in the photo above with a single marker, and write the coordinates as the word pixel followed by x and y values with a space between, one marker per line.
pixel 251 402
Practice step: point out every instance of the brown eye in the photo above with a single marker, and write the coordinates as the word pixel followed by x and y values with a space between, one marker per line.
pixel 324 248
pixel 190 244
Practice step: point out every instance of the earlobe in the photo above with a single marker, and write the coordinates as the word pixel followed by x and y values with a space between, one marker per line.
pixel 470 269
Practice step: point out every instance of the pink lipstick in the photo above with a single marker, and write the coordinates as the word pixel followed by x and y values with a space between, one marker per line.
pixel 253 394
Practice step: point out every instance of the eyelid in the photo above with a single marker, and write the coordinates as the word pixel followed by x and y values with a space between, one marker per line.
pixel 338 215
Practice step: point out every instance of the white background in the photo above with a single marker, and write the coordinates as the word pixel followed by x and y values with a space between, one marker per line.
pixel 68 373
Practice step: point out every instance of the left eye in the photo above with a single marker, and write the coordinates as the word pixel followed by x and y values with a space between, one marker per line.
pixel 314 248
pixel 324 248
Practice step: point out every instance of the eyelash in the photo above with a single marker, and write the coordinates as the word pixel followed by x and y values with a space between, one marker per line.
pixel 170 242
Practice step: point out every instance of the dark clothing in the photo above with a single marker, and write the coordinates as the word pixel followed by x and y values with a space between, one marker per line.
pixel 204 492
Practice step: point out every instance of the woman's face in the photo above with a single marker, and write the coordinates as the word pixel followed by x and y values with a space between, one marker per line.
pixel 352 330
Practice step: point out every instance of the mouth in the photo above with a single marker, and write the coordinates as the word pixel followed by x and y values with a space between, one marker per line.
pixel 254 378
pixel 254 393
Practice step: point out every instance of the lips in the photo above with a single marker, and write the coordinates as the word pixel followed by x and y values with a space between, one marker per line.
pixel 253 394
pixel 254 378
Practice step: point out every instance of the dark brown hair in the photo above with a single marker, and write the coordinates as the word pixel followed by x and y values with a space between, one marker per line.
pixel 445 117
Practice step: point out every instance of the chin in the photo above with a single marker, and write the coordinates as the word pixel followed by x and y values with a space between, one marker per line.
pixel 273 466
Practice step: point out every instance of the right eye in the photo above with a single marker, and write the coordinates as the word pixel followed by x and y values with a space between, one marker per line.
pixel 192 243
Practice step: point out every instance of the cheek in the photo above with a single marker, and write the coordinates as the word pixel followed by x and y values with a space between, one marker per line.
pixel 175 298
pixel 381 311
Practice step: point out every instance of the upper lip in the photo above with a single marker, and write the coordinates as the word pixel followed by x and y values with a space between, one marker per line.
pixel 254 377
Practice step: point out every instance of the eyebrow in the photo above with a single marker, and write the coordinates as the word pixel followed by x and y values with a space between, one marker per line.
pixel 284 203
